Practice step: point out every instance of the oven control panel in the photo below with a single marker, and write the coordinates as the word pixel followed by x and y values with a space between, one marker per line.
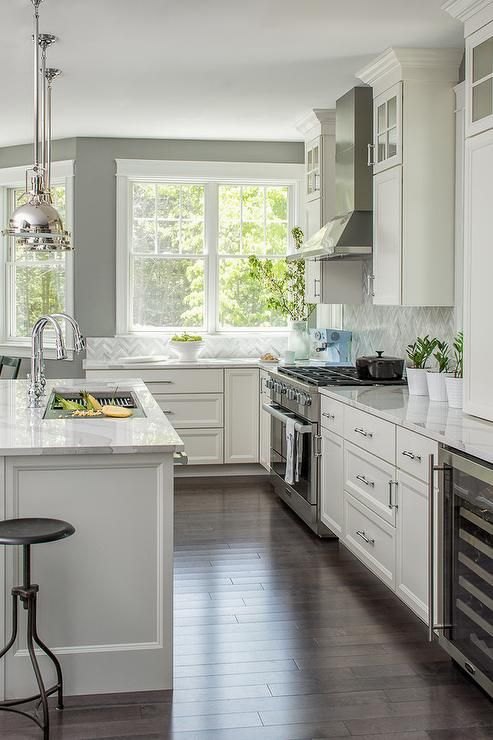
pixel 293 398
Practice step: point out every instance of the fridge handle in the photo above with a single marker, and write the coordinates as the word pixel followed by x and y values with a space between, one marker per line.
pixel 431 546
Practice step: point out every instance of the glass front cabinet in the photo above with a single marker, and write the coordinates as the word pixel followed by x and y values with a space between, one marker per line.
pixel 387 127
pixel 479 79
pixel 313 159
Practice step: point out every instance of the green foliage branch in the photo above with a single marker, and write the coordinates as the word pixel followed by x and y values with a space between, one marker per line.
pixel 283 283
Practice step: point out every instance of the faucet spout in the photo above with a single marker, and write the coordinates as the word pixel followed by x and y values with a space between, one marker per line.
pixel 79 340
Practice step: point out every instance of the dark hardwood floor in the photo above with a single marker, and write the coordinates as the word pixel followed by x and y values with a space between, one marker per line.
pixel 281 636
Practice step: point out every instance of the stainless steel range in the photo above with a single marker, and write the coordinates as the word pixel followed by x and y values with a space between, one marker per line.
pixel 294 395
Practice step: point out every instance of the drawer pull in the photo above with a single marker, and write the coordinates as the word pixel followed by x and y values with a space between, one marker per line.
pixel 329 416
pixel 365 481
pixel 167 411
pixel 411 455
pixel 391 505
pixel 358 430
pixel 167 382
pixel 368 540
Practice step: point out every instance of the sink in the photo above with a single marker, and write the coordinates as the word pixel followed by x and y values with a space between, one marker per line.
pixel 118 397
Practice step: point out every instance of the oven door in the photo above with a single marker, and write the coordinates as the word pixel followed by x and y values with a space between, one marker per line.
pixel 465 596
pixel 306 487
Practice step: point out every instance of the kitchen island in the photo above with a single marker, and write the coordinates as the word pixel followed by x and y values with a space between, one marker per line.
pixel 105 602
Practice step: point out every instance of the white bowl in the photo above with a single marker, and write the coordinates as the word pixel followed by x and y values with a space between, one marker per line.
pixel 187 351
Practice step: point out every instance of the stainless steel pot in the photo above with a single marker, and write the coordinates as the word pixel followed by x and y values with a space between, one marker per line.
pixel 378 367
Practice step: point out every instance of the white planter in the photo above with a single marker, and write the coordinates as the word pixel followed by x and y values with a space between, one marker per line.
pixel 416 381
pixel 298 340
pixel 454 391
pixel 436 387
pixel 187 351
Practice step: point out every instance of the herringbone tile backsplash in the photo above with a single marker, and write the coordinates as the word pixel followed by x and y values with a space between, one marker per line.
pixel 392 328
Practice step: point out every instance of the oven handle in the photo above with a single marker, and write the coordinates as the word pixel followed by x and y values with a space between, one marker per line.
pixel 273 411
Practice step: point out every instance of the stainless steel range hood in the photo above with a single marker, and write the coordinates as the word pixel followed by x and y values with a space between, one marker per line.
pixel 350 234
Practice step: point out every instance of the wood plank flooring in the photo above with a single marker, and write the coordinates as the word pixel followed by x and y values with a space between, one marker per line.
pixel 280 636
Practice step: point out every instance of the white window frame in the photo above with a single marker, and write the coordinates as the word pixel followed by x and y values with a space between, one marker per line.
pixel 15 177
pixel 211 174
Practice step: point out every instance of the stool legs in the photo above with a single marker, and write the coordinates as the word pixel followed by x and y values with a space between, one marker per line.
pixel 27 593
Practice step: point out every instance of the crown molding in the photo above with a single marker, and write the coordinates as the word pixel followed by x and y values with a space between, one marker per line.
pixel 410 63
pixel 321 118
pixel 464 9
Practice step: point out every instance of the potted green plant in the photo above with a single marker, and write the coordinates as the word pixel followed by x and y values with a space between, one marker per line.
pixel 283 284
pixel 436 378
pixel 419 352
pixel 454 382
pixel 187 346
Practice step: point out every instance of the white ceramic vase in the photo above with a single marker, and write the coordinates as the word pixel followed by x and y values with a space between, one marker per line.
pixel 436 386
pixel 416 381
pixel 298 340
pixel 454 388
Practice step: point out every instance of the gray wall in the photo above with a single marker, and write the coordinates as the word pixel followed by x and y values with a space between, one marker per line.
pixel 95 209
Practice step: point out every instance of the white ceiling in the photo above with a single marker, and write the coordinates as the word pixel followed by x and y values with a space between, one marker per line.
pixel 213 69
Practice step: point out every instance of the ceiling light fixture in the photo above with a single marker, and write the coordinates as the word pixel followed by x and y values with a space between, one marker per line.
pixel 36 224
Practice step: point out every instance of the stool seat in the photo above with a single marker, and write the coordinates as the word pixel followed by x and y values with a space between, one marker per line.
pixel 32 531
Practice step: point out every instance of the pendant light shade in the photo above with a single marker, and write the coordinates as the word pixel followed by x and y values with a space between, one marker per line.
pixel 36 224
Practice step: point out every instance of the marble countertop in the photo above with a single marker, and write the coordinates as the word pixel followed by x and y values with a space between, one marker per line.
pixel 23 431
pixel 435 420
pixel 206 362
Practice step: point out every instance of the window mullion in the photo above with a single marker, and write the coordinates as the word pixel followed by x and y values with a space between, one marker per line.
pixel 212 263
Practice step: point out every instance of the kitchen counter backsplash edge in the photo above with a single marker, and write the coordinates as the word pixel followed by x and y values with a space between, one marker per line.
pixel 448 426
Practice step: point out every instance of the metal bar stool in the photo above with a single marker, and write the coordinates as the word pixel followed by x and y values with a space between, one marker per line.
pixel 27 532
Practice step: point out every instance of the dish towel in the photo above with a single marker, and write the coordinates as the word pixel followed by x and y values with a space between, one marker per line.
pixel 290 450
pixel 299 455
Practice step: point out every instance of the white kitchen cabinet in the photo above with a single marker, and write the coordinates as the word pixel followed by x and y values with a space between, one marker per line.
pixel 331 481
pixel 478 301
pixel 241 423
pixel 412 543
pixel 387 237
pixel 370 538
pixel 192 411
pixel 414 171
pixel 265 423
pixel 203 446
pixel 479 80
pixel 387 129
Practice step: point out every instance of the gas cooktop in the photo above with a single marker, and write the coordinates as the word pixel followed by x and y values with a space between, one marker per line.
pixel 320 375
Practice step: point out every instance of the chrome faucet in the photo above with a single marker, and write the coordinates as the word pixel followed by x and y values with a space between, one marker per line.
pixel 36 389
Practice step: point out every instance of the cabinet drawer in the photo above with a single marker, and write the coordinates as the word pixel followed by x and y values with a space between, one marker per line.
pixel 373 434
pixel 332 414
pixel 371 481
pixel 187 381
pixel 370 538
pixel 413 451
pixel 194 410
pixel 203 446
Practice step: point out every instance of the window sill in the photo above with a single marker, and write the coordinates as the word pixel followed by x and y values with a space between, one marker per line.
pixel 19 348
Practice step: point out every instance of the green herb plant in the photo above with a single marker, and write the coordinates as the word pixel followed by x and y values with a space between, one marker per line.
pixel 283 282
pixel 459 355
pixel 442 356
pixel 420 351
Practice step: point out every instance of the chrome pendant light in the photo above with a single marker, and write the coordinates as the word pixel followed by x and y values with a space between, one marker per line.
pixel 36 224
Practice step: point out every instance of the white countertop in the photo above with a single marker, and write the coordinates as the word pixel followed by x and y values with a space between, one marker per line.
pixel 206 362
pixel 435 420
pixel 23 431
